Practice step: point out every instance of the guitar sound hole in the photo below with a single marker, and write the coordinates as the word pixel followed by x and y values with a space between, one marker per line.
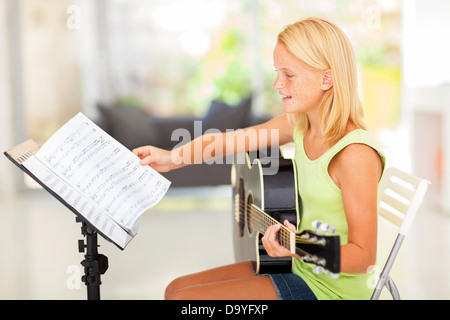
pixel 249 214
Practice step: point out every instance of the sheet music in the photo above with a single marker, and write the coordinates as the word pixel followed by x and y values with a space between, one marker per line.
pixel 83 205
pixel 103 170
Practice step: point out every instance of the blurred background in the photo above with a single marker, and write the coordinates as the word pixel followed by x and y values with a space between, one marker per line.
pixel 171 59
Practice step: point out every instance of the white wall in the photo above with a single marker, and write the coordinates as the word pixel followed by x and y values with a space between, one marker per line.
pixel 426 97
pixel 8 175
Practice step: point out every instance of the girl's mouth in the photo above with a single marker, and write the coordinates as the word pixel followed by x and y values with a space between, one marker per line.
pixel 286 98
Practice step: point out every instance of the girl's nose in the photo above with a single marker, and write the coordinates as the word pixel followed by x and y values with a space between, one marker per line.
pixel 278 83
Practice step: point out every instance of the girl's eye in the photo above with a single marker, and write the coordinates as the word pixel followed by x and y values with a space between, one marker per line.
pixel 286 75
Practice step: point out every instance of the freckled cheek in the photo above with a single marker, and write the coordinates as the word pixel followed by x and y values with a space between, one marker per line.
pixel 300 91
pixel 305 90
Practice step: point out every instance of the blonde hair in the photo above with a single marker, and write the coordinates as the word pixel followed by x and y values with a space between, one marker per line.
pixel 321 45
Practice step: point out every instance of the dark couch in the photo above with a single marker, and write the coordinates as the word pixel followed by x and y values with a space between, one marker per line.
pixel 133 128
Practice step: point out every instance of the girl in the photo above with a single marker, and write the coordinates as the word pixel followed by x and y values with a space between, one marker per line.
pixel 338 167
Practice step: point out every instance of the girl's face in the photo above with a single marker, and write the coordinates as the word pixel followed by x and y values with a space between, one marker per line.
pixel 302 88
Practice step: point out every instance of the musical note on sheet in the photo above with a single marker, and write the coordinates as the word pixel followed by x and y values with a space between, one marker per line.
pixel 84 206
pixel 104 170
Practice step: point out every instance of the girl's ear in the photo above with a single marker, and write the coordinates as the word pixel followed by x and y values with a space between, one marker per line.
pixel 327 80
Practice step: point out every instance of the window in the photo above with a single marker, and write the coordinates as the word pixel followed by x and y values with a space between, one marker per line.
pixel 172 57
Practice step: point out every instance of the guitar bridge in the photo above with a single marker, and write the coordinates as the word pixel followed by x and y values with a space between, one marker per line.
pixel 236 207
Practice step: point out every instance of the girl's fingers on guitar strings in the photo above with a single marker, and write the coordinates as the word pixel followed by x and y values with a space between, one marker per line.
pixel 270 242
pixel 273 230
pixel 289 225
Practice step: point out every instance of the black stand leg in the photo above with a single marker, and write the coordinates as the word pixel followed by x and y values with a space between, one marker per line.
pixel 94 264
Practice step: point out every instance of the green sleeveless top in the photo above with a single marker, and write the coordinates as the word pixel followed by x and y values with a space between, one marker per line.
pixel 322 200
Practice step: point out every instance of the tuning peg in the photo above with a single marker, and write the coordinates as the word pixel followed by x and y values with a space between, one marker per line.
pixel 333 230
pixel 320 226
pixel 316 225
pixel 333 275
pixel 324 227
pixel 318 270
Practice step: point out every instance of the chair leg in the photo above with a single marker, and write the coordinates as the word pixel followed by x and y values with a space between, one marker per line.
pixel 379 287
pixel 390 285
pixel 385 280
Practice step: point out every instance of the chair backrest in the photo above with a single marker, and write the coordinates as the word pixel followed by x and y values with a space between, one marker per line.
pixel 400 197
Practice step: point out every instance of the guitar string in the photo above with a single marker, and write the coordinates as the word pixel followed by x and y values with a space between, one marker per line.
pixel 262 215
pixel 266 221
pixel 259 217
pixel 285 233
pixel 262 219
pixel 266 218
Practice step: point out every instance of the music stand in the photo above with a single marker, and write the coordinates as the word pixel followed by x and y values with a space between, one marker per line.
pixel 94 264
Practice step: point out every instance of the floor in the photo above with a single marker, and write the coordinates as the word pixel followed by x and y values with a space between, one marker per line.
pixel 188 231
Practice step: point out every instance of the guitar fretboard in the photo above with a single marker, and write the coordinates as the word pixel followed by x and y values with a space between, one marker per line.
pixel 260 221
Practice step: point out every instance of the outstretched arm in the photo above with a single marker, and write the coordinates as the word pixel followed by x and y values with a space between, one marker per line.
pixel 215 145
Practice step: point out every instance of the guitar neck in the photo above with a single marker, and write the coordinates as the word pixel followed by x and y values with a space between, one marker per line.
pixel 260 221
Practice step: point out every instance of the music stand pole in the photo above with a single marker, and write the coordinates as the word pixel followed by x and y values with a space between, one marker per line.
pixel 94 264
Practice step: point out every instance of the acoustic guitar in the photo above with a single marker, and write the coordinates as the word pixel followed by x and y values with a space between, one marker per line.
pixel 263 197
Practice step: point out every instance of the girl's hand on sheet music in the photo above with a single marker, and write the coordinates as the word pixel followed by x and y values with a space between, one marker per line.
pixel 271 244
pixel 158 159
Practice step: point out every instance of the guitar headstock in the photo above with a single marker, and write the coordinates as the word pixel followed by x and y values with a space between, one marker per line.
pixel 322 248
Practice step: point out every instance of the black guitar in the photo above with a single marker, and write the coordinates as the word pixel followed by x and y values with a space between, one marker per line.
pixel 261 200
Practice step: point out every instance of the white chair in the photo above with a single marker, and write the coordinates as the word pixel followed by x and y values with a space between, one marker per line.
pixel 400 197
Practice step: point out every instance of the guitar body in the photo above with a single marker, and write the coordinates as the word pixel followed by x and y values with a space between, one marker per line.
pixel 276 194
